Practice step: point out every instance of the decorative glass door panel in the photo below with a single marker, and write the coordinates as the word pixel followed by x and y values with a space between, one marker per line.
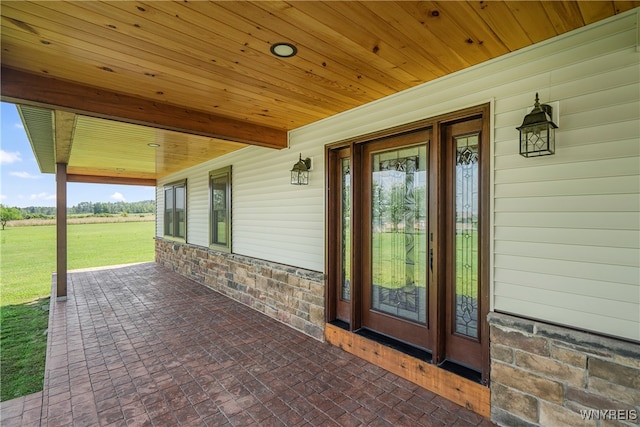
pixel 398 233
pixel 345 211
pixel 466 213
pixel 340 253
pixel 466 242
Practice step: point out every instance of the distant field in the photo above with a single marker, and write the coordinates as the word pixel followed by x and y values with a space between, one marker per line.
pixel 27 261
pixel 84 219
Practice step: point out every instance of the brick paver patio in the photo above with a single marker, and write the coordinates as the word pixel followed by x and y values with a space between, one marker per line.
pixel 140 345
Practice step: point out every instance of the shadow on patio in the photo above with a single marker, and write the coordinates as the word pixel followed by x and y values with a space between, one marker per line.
pixel 141 345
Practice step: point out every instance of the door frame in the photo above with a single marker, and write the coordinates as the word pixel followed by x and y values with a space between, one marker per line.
pixel 439 242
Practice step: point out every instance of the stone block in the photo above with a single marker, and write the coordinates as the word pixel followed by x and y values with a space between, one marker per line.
pixel 313 299
pixel 262 283
pixel 314 331
pixel 301 283
pixel 317 289
pixel 270 311
pixel 569 356
pixel 284 317
pixel 633 362
pixel 587 342
pixel 526 382
pixel 556 415
pixel 552 369
pixel 316 315
pixel 514 402
pixel 615 391
pixel 616 373
pixel 265 272
pixel 519 340
pixel 294 281
pixel 280 276
pixel 502 353
pixel 297 323
pixel 593 400
pixel 504 418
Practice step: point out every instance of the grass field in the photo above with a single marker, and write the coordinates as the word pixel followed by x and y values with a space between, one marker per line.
pixel 389 252
pixel 27 261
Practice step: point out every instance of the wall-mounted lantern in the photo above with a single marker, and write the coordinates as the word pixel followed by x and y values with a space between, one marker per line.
pixel 300 172
pixel 537 132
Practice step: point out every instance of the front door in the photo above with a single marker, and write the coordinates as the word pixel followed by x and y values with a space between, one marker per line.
pixel 395 235
pixel 408 237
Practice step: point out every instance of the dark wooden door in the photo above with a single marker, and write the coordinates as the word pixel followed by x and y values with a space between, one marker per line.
pixel 395 230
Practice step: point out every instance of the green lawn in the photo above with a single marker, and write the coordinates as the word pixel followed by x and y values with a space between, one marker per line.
pixel 27 260
pixel 389 253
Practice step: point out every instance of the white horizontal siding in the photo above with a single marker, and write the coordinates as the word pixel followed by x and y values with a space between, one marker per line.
pixel 592 321
pixel 570 252
pixel 603 273
pixel 271 219
pixel 572 286
pixel 586 220
pixel 599 168
pixel 561 299
pixel 577 188
pixel 570 236
pixel 565 228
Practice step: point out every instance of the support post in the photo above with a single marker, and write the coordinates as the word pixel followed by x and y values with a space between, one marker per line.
pixel 61 231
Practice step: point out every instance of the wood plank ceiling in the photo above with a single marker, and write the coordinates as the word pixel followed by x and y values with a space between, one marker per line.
pixel 198 78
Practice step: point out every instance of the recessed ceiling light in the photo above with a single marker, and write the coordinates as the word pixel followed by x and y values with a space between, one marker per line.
pixel 153 144
pixel 283 50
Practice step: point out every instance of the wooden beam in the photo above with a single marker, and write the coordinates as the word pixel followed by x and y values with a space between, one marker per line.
pixel 469 394
pixel 64 123
pixel 61 231
pixel 120 180
pixel 20 87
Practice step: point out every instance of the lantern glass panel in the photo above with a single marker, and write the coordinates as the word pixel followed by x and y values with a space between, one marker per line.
pixel 537 140
pixel 299 177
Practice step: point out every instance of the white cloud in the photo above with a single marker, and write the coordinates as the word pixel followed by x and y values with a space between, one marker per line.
pixel 7 157
pixel 43 196
pixel 2 197
pixel 118 196
pixel 25 175
pixel 18 125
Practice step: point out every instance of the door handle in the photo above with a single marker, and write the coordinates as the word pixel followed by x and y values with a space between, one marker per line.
pixel 431 260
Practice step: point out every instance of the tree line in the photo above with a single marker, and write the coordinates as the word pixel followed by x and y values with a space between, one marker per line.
pixel 83 208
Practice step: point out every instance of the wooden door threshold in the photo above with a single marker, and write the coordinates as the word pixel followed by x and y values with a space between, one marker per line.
pixel 462 391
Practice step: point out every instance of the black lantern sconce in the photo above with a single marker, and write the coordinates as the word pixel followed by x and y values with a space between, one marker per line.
pixel 537 132
pixel 300 172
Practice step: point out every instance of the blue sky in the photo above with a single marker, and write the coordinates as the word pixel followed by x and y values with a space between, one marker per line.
pixel 22 184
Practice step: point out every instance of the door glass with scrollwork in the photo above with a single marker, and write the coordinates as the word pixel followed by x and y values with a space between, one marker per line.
pixel 399 233
pixel 466 242
pixel 345 177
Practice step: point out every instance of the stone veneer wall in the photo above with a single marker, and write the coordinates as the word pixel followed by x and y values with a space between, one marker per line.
pixel 545 375
pixel 291 295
